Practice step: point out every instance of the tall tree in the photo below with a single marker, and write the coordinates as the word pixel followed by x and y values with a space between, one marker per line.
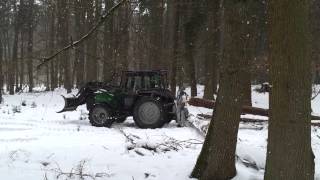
pixel 14 57
pixel 213 48
pixel 123 21
pixel 253 19
pixel 52 33
pixel 315 40
pixel 80 19
pixel 22 53
pixel 156 8
pixel 193 20
pixel 108 45
pixel 63 40
pixel 217 157
pixel 1 66
pixel 3 12
pixel 174 24
pixel 30 25
pixel 91 49
pixel 289 152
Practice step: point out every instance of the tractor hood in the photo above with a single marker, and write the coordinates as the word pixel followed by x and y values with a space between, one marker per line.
pixel 158 92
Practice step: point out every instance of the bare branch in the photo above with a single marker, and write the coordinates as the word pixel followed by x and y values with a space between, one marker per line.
pixel 86 36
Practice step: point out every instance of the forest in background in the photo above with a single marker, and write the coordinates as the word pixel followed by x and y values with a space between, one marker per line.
pixel 210 42
pixel 183 37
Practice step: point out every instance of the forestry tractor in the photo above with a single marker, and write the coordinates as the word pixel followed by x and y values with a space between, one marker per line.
pixel 141 94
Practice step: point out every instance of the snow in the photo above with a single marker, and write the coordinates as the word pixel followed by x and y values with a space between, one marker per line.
pixel 38 143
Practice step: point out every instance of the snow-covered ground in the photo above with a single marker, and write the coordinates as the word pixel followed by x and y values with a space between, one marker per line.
pixel 37 143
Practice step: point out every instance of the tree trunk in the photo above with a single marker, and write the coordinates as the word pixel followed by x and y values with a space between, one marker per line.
pixel 156 29
pixel 190 35
pixel 174 22
pixel 22 61
pixel 193 21
pixel 80 20
pixel 63 35
pixel 53 70
pixel 220 152
pixel 247 88
pixel 91 56
pixel 289 149
pixel 108 45
pixel 124 23
pixel 1 66
pixel 14 58
pixel 315 40
pixel 252 29
pixel 212 49
pixel 30 25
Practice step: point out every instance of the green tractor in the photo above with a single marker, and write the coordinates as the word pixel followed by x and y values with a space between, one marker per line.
pixel 141 94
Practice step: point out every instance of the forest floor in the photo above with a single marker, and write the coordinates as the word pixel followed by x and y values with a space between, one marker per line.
pixel 37 143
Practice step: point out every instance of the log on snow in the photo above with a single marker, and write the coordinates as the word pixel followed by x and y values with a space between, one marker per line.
pixel 245 109
pixel 249 120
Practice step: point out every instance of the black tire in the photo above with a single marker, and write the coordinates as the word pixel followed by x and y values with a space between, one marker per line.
pixel 148 113
pixel 100 116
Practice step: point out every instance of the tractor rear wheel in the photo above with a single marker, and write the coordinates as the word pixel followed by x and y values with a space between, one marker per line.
pixel 148 113
pixel 100 116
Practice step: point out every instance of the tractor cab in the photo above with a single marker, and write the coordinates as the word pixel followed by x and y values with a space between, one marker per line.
pixel 144 80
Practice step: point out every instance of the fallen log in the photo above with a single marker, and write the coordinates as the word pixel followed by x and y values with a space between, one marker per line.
pixel 249 120
pixel 245 109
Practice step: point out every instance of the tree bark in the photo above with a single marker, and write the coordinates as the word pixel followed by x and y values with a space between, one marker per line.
pixel 108 45
pixel 52 32
pixel 156 28
pixel 212 49
pixel 252 36
pixel 91 56
pixel 14 57
pixel 30 25
pixel 289 152
pixel 190 35
pixel 63 40
pixel 124 23
pixel 174 22
pixel 193 21
pixel 22 56
pixel 315 40
pixel 1 66
pixel 220 152
pixel 80 20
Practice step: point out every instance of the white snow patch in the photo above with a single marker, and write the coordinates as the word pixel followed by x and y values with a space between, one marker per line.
pixel 37 142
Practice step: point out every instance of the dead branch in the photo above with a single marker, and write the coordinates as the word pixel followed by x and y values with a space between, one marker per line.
pixel 77 172
pixel 86 36
pixel 169 144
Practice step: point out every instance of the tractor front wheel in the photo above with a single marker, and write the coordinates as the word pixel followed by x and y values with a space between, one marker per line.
pixel 100 116
pixel 148 113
